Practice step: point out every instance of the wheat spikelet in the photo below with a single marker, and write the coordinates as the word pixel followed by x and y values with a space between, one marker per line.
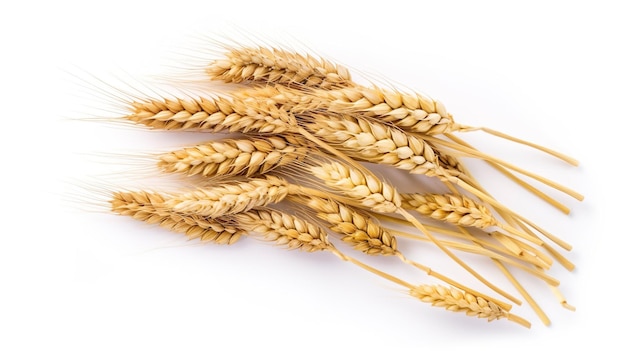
pixel 276 66
pixel 451 208
pixel 231 157
pixel 458 301
pixel 150 208
pixel 282 228
pixel 230 197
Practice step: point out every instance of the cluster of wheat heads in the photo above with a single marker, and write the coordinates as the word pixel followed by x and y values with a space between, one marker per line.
pixel 298 174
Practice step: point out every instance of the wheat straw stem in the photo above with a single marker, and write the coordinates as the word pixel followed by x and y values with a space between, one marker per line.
pixel 562 299
pixel 478 249
pixel 487 250
pixel 516 179
pixel 554 153
pixel 474 153
pixel 532 259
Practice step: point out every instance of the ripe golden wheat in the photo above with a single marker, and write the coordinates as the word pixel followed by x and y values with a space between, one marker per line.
pixel 310 131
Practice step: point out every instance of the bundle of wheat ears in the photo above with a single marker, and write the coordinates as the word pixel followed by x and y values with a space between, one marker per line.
pixel 299 174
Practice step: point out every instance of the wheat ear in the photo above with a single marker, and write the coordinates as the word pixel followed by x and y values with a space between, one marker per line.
pixel 458 301
pixel 150 208
pixel 411 112
pixel 249 157
pixel 230 197
pixel 458 210
pixel 282 228
pixel 375 142
pixel 213 115
pixel 355 227
pixel 277 66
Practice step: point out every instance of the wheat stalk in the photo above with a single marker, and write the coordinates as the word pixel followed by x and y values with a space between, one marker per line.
pixel 249 157
pixel 277 66
pixel 150 207
pixel 230 197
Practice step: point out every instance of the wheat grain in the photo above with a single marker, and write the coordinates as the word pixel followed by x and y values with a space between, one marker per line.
pixel 249 157
pixel 277 66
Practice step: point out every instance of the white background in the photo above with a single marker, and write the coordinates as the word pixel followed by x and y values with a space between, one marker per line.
pixel 548 71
